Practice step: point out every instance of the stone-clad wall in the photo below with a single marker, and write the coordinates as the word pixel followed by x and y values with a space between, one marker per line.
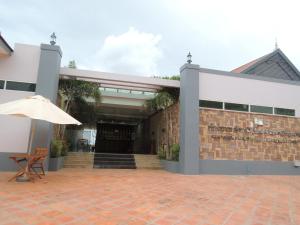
pixel 234 135
pixel 158 129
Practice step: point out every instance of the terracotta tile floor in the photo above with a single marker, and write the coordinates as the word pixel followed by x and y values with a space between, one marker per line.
pixel 149 197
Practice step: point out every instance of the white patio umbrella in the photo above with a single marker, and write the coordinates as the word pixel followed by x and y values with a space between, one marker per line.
pixel 37 107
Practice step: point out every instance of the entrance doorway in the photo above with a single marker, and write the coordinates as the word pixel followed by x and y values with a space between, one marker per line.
pixel 115 138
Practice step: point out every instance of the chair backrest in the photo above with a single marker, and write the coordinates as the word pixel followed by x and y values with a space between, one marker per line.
pixel 43 152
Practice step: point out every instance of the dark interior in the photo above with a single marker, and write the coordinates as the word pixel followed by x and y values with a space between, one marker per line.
pixel 114 138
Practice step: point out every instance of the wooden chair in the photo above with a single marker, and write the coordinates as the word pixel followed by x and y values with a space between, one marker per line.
pixel 40 155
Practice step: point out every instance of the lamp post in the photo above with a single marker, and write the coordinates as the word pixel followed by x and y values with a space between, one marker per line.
pixel 53 39
pixel 189 58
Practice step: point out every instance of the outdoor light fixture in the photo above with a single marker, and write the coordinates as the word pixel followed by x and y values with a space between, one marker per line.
pixel 53 39
pixel 189 58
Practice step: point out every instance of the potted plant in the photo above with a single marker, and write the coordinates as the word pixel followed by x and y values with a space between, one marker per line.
pixel 171 163
pixel 56 160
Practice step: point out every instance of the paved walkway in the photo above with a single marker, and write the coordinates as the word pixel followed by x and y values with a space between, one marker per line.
pixel 149 197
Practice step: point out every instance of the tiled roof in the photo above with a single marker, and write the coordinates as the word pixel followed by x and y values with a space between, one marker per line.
pixel 249 64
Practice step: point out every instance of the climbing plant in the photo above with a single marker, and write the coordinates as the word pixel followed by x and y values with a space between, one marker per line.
pixel 163 100
pixel 73 94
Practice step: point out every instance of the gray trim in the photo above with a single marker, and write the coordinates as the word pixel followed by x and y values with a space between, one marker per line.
pixel 47 86
pixel 189 119
pixel 54 48
pixel 56 163
pixel 247 76
pixel 237 167
pixel 171 166
pixel 6 164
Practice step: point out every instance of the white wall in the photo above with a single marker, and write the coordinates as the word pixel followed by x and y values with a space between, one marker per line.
pixel 231 89
pixel 22 66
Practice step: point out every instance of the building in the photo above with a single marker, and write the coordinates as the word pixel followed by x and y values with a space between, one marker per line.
pixel 241 122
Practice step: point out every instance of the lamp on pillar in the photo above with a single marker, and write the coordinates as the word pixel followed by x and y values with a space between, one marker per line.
pixel 53 39
pixel 189 58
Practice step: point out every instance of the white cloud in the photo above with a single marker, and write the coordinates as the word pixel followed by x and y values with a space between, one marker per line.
pixel 133 52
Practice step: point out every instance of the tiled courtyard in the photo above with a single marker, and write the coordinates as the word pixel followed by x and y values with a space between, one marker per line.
pixel 149 197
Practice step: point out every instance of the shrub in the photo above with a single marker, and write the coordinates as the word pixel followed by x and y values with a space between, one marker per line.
pixel 161 153
pixel 174 149
pixel 56 148
pixel 65 148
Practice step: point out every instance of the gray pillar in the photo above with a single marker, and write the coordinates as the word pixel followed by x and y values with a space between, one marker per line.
pixel 189 119
pixel 47 86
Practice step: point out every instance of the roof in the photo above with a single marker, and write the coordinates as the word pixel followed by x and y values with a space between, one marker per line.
pixel 5 48
pixel 255 66
pixel 248 65
pixel 113 80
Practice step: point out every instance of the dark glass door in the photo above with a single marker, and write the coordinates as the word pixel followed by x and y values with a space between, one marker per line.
pixel 114 138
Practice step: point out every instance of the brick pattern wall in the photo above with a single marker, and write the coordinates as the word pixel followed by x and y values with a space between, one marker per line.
pixel 249 146
pixel 158 127
pixel 228 135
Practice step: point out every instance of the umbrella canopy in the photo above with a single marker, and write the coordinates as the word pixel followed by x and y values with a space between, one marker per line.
pixel 37 107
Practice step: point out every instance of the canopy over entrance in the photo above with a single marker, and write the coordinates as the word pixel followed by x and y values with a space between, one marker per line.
pixel 123 117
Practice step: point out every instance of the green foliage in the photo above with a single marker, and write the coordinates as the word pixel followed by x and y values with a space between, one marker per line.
pixel 161 153
pixel 56 148
pixel 71 89
pixel 165 97
pixel 84 111
pixel 173 77
pixel 65 148
pixel 161 101
pixel 72 64
pixel 174 149
pixel 73 95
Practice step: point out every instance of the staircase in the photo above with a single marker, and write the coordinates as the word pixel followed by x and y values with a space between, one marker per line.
pixel 79 160
pixel 147 161
pixel 114 161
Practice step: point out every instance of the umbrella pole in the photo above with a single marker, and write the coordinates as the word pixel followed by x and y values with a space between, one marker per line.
pixel 26 175
pixel 32 133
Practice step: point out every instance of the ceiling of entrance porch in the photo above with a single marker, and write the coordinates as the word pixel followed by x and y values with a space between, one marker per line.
pixel 119 106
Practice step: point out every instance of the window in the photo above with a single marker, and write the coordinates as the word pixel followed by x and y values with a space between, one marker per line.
pixel 237 107
pixel 286 112
pixel 149 93
pixel 111 89
pixel 124 91
pixel 137 92
pixel 20 86
pixel 1 84
pixel 211 104
pixel 261 109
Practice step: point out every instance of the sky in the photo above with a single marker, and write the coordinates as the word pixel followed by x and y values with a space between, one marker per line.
pixel 149 38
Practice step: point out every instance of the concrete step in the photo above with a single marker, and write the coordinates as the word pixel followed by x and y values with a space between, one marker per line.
pixel 114 166
pixel 114 161
pixel 78 166
pixel 79 160
pixel 113 155
pixel 147 161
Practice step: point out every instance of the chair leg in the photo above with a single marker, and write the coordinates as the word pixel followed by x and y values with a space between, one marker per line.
pixel 20 173
pixel 42 167
pixel 35 172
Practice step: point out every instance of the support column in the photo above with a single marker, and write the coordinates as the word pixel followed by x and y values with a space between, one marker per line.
pixel 47 86
pixel 189 119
